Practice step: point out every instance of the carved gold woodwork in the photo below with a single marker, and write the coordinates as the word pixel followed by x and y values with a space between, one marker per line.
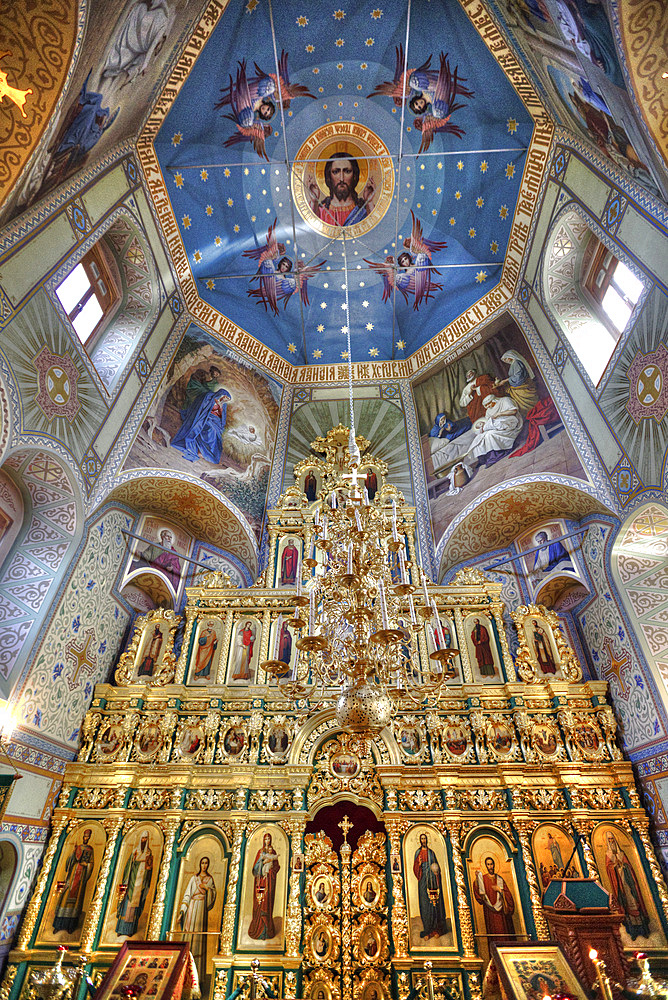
pixel 524 831
pixel 525 659
pixel 166 669
pixel 463 901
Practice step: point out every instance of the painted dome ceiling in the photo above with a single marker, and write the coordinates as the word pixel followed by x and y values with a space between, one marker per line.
pixel 312 143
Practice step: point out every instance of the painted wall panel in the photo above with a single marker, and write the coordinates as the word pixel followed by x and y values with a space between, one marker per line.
pixel 23 269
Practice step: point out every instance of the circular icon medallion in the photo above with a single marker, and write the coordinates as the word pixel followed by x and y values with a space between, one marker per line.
pixel 343 178
pixel 58 385
pixel 649 385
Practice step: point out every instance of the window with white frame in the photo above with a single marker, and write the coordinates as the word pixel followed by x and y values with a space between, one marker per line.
pixel 89 294
pixel 613 291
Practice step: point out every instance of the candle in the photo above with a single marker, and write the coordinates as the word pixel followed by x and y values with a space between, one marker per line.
pixel 299 581
pixel 411 606
pixel 324 526
pixel 402 566
pixel 603 981
pixel 383 605
pixel 366 497
pixel 349 565
pixel 437 626
pixel 277 637
pixel 357 521
pixel 395 535
pixel 333 500
pixel 311 611
pixel 317 516
pixel 425 592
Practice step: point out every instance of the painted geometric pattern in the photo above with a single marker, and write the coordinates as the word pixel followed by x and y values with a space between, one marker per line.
pixel 628 402
pixel 37 326
pixel 562 272
pixel 612 651
pixel 27 579
pixel 643 559
pixel 75 652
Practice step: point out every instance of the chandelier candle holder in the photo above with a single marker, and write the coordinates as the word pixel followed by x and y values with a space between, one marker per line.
pixel 366 603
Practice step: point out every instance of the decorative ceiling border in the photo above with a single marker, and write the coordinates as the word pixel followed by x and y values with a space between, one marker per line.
pixel 537 159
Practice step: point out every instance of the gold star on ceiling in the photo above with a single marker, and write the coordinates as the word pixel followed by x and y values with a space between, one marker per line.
pixel 292 348
pixel 503 212
pixel 211 284
pixel 377 13
pixel 510 171
pixel 177 138
pixel 511 125
pixel 204 175
pixel 209 210
pixel 481 276
pixel 373 351
pixel 178 180
pixel 401 344
pixel 339 15
pixel 494 246
pixel 302 21
pixel 317 353
pixel 320 328
pixel 186 221
pixel 197 256
pixel 483 166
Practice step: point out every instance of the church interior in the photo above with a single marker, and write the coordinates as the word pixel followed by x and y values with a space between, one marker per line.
pixel 333 519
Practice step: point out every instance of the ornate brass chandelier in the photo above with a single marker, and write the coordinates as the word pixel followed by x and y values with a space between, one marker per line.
pixel 359 603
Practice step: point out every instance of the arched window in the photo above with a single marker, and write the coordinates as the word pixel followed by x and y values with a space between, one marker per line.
pixel 91 292
pixel 111 297
pixel 590 292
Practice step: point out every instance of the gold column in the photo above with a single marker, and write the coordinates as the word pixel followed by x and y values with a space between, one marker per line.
pixel 32 911
pixel 641 824
pixel 113 828
pixel 226 937
pixel 463 903
pixel 399 915
pixel 8 981
pixel 463 648
pixel 497 612
pixel 182 662
pixel 270 570
pixel 584 828
pixel 524 829
pixel 346 924
pixel 294 915
pixel 169 828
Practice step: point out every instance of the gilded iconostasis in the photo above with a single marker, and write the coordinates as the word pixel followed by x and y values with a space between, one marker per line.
pixel 403 216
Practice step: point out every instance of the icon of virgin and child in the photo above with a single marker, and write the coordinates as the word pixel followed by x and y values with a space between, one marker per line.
pixel 203 416
pixel 343 206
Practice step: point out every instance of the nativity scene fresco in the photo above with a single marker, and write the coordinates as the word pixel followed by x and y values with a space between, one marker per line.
pixel 486 418
pixel 214 418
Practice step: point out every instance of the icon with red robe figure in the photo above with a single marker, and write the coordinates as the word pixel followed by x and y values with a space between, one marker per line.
pixel 310 486
pixel 483 650
pixel 496 899
pixel 289 564
pixel 371 484
pixel 265 869
pixel 243 652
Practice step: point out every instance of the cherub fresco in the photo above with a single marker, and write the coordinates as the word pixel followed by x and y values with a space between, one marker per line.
pixel 431 95
pixel 277 281
pixel 253 102
pixel 413 272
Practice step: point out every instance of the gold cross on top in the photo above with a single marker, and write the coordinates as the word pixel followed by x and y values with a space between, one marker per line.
pixel 346 825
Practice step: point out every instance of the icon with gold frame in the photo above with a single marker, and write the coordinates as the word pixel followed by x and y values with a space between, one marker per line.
pixel 345 765
pixel 191 741
pixel 320 944
pixel 544 738
pixel 73 885
pixel 369 891
pixel 234 740
pixel 373 990
pixel 535 969
pixel 369 945
pixel 148 741
pixel 110 741
pixel 320 891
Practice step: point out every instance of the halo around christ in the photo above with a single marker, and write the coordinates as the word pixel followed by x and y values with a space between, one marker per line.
pixel 343 177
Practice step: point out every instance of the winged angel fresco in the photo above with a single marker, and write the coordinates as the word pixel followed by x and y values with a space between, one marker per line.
pixel 431 95
pixel 277 280
pixel 253 102
pixel 413 272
